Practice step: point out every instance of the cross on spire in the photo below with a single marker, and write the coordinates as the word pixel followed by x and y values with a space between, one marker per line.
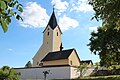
pixel 53 7
pixel 53 21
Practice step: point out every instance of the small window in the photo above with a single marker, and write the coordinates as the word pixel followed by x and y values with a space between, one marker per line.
pixel 57 33
pixel 48 33
pixel 70 62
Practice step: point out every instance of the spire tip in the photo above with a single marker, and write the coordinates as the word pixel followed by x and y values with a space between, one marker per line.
pixel 53 7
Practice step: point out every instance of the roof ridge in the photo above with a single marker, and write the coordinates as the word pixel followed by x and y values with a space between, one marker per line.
pixel 62 50
pixel 86 60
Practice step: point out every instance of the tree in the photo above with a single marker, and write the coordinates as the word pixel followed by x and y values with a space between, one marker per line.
pixel 108 11
pixel 8 9
pixel 7 73
pixel 106 43
pixel 29 64
pixel 82 69
pixel 97 64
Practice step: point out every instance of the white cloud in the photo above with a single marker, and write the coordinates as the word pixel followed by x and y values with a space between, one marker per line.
pixel 93 28
pixel 81 5
pixel 60 6
pixel 10 49
pixel 34 16
pixel 66 22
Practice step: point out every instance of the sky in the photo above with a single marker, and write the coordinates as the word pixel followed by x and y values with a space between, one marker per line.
pixel 23 38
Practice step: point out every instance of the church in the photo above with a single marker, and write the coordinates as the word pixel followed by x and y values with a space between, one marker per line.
pixel 51 57
pixel 51 52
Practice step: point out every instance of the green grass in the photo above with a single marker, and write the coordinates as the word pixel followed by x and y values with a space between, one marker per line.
pixel 111 77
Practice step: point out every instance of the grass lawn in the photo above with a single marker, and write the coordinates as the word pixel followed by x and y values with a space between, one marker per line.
pixel 111 77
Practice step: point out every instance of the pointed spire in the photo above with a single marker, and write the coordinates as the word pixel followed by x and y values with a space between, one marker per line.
pixel 53 21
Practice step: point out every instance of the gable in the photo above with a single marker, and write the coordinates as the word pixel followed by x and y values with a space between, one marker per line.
pixel 47 28
pixel 52 29
pixel 74 58
pixel 59 29
pixel 52 22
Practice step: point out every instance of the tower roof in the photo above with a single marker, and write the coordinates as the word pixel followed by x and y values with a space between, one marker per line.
pixel 53 21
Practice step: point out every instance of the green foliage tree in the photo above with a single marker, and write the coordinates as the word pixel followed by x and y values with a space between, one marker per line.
pixel 8 9
pixel 82 69
pixel 107 10
pixel 29 64
pixel 97 64
pixel 7 73
pixel 106 41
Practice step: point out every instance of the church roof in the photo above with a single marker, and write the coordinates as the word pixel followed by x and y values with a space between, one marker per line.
pixel 64 54
pixel 53 21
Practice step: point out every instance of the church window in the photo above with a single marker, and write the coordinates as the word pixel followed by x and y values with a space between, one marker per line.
pixel 48 33
pixel 70 62
pixel 57 33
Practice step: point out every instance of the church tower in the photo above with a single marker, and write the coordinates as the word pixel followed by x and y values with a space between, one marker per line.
pixel 51 40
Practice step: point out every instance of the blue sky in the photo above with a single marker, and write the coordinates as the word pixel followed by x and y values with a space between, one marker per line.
pixel 23 39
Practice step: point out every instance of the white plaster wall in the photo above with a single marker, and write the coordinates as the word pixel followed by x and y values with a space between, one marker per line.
pixel 74 73
pixel 37 73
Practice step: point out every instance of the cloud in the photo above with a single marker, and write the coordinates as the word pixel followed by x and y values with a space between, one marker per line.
pixel 81 5
pixel 66 22
pixel 93 28
pixel 60 6
pixel 10 49
pixel 34 16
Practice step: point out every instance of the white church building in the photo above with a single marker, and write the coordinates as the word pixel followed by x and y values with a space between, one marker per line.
pixel 59 63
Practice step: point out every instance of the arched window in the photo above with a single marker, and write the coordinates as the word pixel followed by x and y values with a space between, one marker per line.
pixel 70 62
pixel 57 33
pixel 48 33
